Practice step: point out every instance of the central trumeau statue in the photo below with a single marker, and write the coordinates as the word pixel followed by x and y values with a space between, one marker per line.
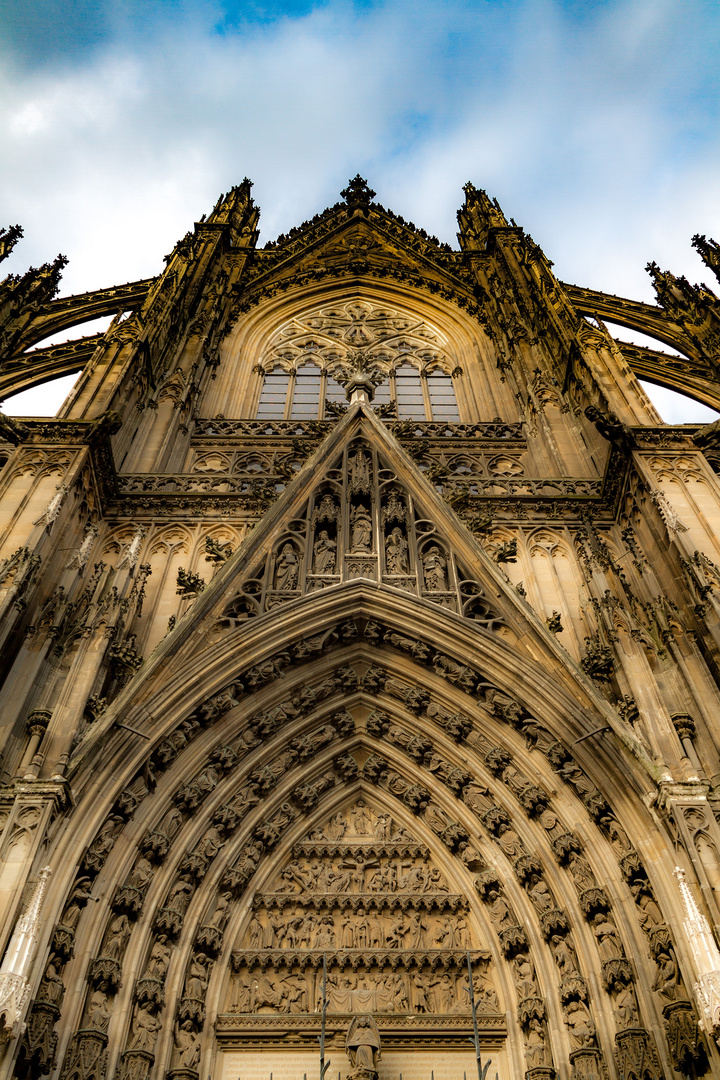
pixel 362 1045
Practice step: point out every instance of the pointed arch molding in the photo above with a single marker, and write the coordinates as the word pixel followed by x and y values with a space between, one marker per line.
pixel 239 768
pixel 235 737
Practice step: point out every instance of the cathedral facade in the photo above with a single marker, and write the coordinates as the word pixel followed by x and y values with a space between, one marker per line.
pixel 360 661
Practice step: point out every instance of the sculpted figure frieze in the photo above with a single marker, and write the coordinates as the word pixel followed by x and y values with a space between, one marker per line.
pixel 359 890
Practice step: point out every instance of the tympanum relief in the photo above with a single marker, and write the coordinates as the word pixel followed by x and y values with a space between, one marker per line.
pixel 365 893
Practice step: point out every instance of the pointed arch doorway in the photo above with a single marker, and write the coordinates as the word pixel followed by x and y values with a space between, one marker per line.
pixel 361 890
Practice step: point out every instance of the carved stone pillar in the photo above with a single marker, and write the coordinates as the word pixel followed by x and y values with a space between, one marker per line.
pixel 37 1052
pixel 87 1056
pixel 587 1064
pixel 36 725
pixel 636 1055
pixel 688 808
pixel 31 807
pixel 183 1074
pixel 135 1065
pixel 685 727
pixel 685 1042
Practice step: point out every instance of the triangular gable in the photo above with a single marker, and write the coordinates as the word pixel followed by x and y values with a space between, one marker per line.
pixel 311 543
pixel 372 243
pixel 360 509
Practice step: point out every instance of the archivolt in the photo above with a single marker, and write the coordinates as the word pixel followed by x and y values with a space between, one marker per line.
pixel 477 801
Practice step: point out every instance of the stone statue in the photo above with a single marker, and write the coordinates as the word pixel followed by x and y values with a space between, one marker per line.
pixel 117 934
pixel 362 1046
pixel 580 1025
pixel 360 529
pixel 287 567
pixel 581 872
pixel 255 933
pixel 98 1011
pixel 565 956
pixel 396 552
pixel 78 899
pixel 499 911
pixel 626 1007
pixel 536 1053
pixel 667 979
pixel 435 570
pixel 51 988
pixel 197 977
pixel 360 818
pixel 607 937
pixel 179 896
pixel 141 873
pixel 158 960
pixel 359 470
pixel 324 554
pixel 145 1028
pixel 187 1045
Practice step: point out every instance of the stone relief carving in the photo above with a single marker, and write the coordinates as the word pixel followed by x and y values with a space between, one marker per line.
pixel 362 891
pixel 362 1046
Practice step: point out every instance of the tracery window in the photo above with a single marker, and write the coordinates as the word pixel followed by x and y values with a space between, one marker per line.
pixel 298 395
pixel 299 359
pixel 304 394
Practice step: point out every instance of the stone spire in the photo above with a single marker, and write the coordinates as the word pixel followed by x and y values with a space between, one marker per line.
pixel 14 982
pixel 706 956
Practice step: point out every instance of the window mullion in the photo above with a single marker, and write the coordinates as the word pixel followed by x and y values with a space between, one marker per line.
pixel 290 396
pixel 321 402
pixel 426 395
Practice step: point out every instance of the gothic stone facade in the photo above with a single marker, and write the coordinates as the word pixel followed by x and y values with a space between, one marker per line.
pixel 359 605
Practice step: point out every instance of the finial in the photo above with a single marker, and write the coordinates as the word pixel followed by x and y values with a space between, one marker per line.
pixel 17 962
pixel 359 373
pixel 357 194
pixel 28 923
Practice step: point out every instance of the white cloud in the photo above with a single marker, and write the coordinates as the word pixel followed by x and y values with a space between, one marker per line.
pixel 594 125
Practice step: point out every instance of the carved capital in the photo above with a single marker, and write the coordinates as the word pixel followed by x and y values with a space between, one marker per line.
pixel 37 722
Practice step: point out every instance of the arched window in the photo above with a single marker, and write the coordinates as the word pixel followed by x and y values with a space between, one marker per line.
pixel 305 394
pixel 441 397
pixel 298 395
pixel 274 394
pixel 423 396
pixel 409 393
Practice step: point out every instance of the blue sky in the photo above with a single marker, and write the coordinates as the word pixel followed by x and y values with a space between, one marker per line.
pixel 596 125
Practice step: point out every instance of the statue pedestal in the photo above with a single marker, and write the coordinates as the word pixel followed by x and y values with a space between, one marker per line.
pixel 362 1073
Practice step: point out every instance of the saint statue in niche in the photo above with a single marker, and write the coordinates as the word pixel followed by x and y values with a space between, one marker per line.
pixel 362 1046
pixel 324 554
pixel 359 470
pixel 360 529
pixel 435 570
pixel 287 567
pixel 396 548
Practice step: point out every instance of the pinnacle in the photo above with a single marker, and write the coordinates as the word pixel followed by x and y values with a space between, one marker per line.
pixel 357 193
